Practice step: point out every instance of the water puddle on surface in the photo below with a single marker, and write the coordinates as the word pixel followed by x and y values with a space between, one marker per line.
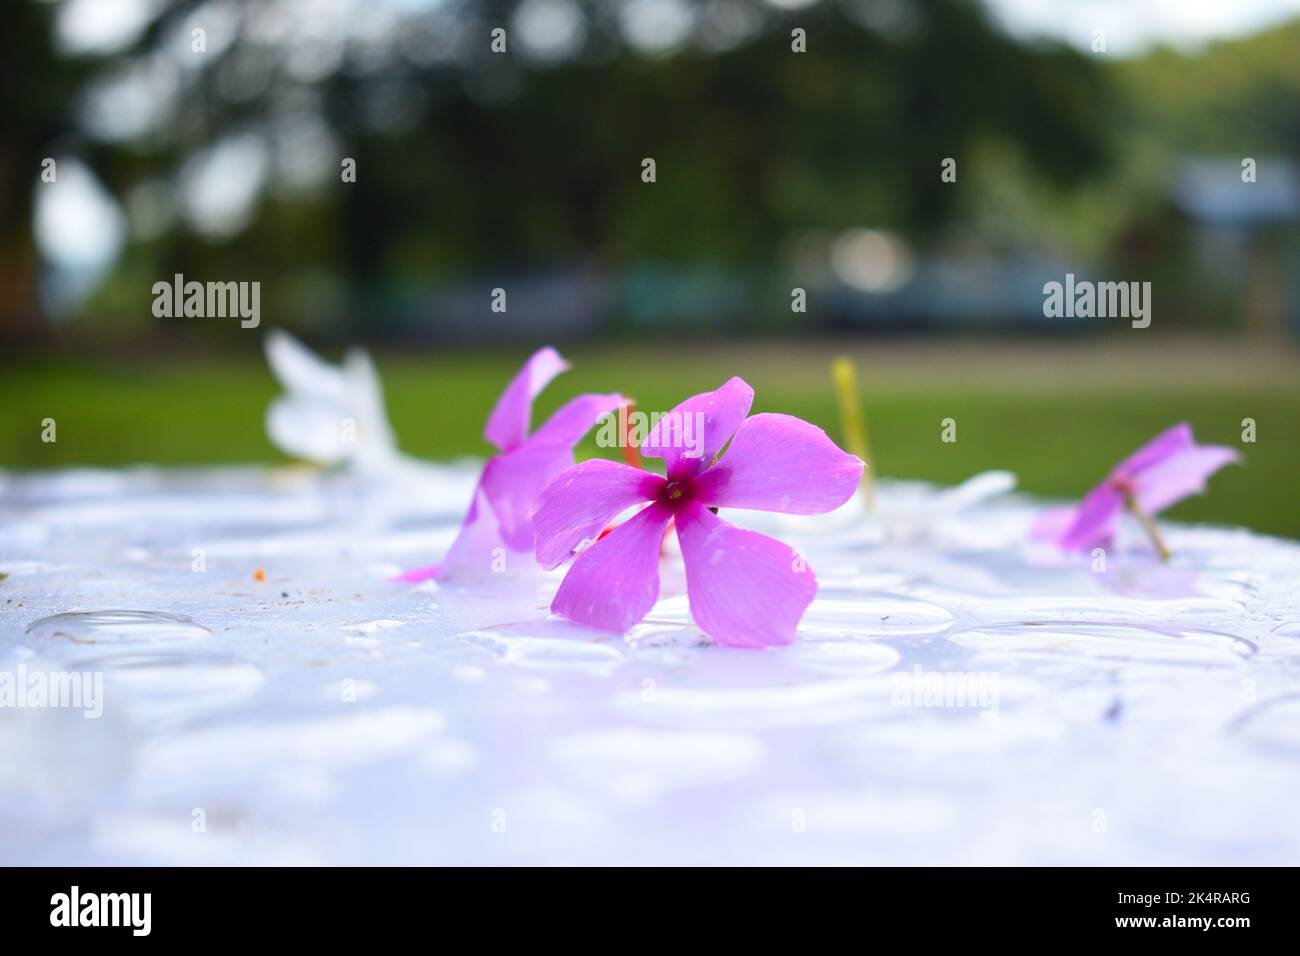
pixel 371 627
pixel 118 628
pixel 1283 640
pixel 1273 725
pixel 549 653
pixel 842 657
pixel 1136 643
pixel 873 616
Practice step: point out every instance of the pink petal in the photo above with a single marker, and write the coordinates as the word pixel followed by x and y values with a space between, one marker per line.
pixel 471 554
pixel 416 575
pixel 743 587
pixel 615 582
pixel 512 483
pixel 574 419
pixel 507 426
pixel 780 463
pixel 1094 521
pixel 1181 476
pixel 578 505
pixel 690 436
pixel 1052 523
pixel 1169 442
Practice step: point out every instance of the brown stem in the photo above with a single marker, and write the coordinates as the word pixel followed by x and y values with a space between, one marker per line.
pixel 1148 525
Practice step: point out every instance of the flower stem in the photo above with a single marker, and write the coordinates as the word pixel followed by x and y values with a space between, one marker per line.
pixel 1148 525
pixel 844 374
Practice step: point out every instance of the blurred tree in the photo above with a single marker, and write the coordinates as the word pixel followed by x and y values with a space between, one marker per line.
pixel 37 97
pixel 1235 96
pixel 471 162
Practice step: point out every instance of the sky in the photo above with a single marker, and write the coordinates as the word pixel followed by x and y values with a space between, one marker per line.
pixel 1133 25
pixel 1130 25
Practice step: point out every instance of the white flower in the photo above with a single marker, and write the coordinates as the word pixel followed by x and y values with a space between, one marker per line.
pixel 328 415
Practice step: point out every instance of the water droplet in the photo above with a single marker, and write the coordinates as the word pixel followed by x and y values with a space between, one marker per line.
pixel 646 638
pixel 674 609
pixel 1283 641
pixel 549 653
pixel 1273 725
pixel 873 616
pixel 117 627
pixel 842 657
pixel 372 627
pixel 1150 644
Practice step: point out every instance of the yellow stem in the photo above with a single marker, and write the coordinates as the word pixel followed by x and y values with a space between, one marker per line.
pixel 844 374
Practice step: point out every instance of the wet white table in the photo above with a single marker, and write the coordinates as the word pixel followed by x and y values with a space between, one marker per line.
pixel 956 696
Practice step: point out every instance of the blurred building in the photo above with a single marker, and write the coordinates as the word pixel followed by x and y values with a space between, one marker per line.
pixel 1246 235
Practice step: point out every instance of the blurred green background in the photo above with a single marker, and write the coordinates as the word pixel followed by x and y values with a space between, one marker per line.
pixel 1059 421
pixel 218 154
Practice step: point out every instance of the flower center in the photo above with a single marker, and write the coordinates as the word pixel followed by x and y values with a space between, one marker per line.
pixel 675 493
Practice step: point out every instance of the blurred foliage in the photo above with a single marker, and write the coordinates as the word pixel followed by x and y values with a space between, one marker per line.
pixel 480 164
pixel 474 166
pixel 1234 97
pixel 38 96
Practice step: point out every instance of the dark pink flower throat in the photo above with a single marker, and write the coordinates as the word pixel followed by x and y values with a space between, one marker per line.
pixel 675 494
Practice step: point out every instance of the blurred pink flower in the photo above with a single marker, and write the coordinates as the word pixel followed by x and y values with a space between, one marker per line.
pixel 501 511
pixel 745 589
pixel 1158 475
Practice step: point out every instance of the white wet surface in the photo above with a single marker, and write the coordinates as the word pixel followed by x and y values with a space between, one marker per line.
pixel 956 696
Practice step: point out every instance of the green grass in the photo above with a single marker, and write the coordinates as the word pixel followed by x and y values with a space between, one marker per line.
pixel 1059 431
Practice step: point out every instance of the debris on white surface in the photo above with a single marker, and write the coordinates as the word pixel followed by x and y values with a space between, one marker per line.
pixel 956 695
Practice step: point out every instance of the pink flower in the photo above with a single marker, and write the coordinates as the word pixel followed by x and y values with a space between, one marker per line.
pixel 501 511
pixel 1158 475
pixel 745 589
